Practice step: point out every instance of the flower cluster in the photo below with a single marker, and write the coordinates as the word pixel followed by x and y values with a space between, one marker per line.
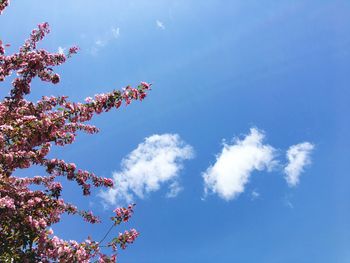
pixel 28 130
pixel 123 239
pixel 122 214
pixel 7 202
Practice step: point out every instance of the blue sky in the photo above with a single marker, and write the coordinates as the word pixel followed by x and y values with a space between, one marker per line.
pixel 219 69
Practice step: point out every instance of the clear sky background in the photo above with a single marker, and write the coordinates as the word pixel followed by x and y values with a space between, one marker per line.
pixel 223 73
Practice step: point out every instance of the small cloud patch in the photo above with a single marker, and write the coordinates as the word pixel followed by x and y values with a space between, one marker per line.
pixel 228 176
pixel 298 157
pixel 155 162
pixel 104 40
pixel 160 24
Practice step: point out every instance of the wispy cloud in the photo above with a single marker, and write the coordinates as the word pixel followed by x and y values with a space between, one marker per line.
pixel 155 162
pixel 234 165
pixel 115 32
pixel 61 50
pixel 287 201
pixel 255 195
pixel 104 40
pixel 100 43
pixel 174 189
pixel 298 157
pixel 160 24
pixel 289 204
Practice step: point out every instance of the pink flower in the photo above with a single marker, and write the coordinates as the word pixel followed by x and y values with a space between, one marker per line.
pixel 28 129
pixel 146 85
pixel 7 202
pixel 88 99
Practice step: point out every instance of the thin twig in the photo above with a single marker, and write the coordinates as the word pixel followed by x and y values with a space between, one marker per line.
pixel 106 234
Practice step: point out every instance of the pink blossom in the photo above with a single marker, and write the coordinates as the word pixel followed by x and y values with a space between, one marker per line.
pixel 7 202
pixel 28 131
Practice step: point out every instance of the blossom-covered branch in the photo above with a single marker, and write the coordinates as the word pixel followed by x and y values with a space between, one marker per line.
pixel 28 130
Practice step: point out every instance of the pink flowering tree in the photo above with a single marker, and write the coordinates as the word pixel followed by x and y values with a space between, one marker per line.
pixel 29 206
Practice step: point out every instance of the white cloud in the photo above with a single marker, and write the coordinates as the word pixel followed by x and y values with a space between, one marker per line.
pixel 115 32
pixel 234 165
pixel 156 161
pixel 255 195
pixel 298 157
pixel 174 189
pixel 100 42
pixel 61 50
pixel 160 24
pixel 104 40
pixel 289 204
